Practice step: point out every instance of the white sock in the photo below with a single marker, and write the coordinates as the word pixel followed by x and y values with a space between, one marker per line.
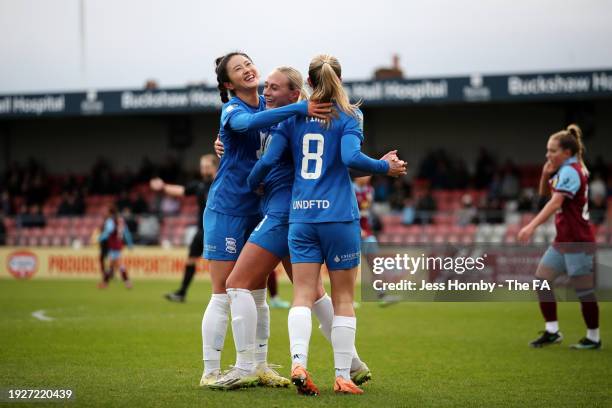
pixel 593 335
pixel 244 321
pixel 343 342
pixel 262 333
pixel 552 327
pixel 300 328
pixel 324 310
pixel 214 327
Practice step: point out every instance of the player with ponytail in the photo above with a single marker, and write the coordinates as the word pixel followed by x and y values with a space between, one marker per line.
pixel 233 210
pixel 324 217
pixel 566 177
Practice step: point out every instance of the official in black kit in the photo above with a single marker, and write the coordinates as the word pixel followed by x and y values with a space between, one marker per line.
pixel 208 169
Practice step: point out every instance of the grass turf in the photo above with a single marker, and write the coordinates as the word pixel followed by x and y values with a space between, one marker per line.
pixel 116 347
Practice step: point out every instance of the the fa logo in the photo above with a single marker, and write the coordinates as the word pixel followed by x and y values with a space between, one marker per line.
pixel 230 245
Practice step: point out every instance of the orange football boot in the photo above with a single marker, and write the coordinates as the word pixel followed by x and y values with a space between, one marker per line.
pixel 343 386
pixel 303 381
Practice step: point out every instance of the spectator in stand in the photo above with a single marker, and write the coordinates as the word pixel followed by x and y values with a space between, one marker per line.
pixel 140 205
pixel 70 205
pixel 493 211
pixel 425 208
pixel 382 188
pixel 527 201
pixel 408 212
pixel 428 166
pixel 441 179
pixel 598 208
pixel 169 206
pixel 13 179
pixel 597 187
pixel 510 186
pixel 35 188
pixel 101 181
pixel 467 213
pixel 31 217
pixel 5 203
pixel 170 171
pixel 600 167
pixel 401 188
pixel 460 176
pixel 123 201
pixel 146 171
pixel 131 222
pixel 2 229
pixel 485 169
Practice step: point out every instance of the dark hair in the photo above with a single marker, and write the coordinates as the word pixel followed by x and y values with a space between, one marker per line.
pixel 222 76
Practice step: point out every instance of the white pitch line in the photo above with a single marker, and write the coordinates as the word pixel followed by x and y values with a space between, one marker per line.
pixel 40 315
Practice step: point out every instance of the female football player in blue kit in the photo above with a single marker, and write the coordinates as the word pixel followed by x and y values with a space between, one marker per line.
pixel 266 247
pixel 232 210
pixel 324 217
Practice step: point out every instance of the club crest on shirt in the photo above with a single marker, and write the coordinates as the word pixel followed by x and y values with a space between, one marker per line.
pixel 554 182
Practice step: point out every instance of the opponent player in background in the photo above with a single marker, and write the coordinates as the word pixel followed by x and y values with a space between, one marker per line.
pixel 115 234
pixel 324 217
pixel 233 211
pixel 365 198
pixel 566 176
pixel 199 188
pixel 266 248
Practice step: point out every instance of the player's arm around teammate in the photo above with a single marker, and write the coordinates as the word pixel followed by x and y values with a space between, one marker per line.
pixel 232 210
pixel 324 229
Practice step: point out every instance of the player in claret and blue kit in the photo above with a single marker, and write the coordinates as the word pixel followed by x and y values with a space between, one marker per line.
pixel 566 176
pixel 324 217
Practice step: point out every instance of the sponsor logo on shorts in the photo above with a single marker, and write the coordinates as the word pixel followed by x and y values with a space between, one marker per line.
pixel 230 245
pixel 22 264
pixel 308 204
pixel 210 248
pixel 347 257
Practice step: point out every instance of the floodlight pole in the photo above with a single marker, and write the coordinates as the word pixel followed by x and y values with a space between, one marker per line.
pixel 82 38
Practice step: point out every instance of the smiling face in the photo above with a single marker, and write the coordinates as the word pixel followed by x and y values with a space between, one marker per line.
pixel 242 73
pixel 555 154
pixel 277 90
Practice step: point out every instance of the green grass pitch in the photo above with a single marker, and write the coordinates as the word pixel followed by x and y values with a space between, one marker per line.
pixel 116 347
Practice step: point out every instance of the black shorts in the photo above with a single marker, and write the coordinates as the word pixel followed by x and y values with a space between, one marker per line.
pixel 196 248
pixel 103 249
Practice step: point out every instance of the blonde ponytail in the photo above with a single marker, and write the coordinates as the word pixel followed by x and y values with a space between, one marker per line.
pixel 325 73
pixel 576 133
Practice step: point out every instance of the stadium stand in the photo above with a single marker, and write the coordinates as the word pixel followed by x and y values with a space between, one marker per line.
pixel 457 215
